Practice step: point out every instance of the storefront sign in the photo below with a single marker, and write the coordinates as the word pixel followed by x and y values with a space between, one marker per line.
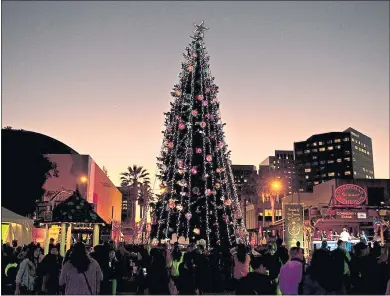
pixel 362 215
pixel 345 215
pixel 293 224
pixel 350 194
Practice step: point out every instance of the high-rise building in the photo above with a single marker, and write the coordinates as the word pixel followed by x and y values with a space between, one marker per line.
pixel 279 167
pixel 242 175
pixel 342 155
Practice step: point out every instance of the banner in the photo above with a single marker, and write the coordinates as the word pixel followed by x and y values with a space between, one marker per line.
pixel 294 224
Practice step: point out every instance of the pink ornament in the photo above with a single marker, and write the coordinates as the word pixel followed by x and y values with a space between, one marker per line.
pixel 203 124
pixel 194 171
pixel 194 55
pixel 207 116
pixel 205 103
pixel 198 150
pixel 228 202
pixel 178 117
pixel 220 144
pixel 209 158
pixel 194 113
pixel 180 163
pixel 199 97
pixel 218 170
pixel 178 92
pixel 182 126
pixel 188 216
pixel 170 145
pixel 171 204
pixel 207 90
pixel 190 68
pixel 209 192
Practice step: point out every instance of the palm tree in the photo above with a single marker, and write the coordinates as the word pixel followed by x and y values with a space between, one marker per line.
pixel 132 180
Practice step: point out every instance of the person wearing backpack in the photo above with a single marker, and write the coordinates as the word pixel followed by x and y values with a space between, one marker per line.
pixel 26 276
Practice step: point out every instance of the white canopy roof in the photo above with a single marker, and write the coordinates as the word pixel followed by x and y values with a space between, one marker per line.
pixel 8 216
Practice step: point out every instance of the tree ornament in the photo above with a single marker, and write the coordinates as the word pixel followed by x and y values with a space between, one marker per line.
pixel 209 158
pixel 194 55
pixel 194 113
pixel 197 231
pixel 203 124
pixel 188 97
pixel 209 192
pixel 170 145
pixel 190 68
pixel 194 171
pixel 180 163
pixel 182 126
pixel 188 216
pixel 195 190
pixel 207 90
pixel 182 183
pixel 171 203
pixel 199 97
pixel 228 202
pixel 178 92
pixel 181 171
pixel 179 207
pixel 217 185
pixel 220 144
pixel 198 150
pixel 205 103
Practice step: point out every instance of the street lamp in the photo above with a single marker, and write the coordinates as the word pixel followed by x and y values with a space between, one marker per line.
pixel 83 179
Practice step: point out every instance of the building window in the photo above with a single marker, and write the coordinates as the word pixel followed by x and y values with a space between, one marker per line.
pixel 367 177
pixel 297 153
pixel 315 182
pixel 314 144
pixel 314 150
pixel 347 152
pixel 346 139
pixel 314 157
pixel 320 143
pixel 307 170
pixel 315 163
pixel 368 152
pixel 347 159
pixel 356 147
pixel 338 147
pixel 323 175
pixel 339 160
pixel 347 173
pixel 330 161
pixel 322 162
pixel 331 174
pixel 330 148
pixel 307 177
pixel 337 140
pixel 329 142
pixel 354 172
pixel 353 140
pixel 322 149
pixel 307 151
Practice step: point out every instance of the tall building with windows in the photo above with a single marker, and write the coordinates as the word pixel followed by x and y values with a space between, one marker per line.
pixel 279 167
pixel 243 174
pixel 342 155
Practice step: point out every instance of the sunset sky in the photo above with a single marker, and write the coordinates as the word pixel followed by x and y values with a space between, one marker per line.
pixel 98 75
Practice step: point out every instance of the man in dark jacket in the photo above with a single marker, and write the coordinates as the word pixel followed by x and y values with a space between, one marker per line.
pixel 257 282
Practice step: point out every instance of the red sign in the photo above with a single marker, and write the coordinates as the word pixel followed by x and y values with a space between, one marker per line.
pixel 350 194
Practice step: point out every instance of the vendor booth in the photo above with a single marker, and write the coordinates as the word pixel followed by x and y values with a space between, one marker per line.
pixel 15 227
pixel 71 221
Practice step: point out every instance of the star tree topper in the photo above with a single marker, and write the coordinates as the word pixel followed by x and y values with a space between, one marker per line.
pixel 200 29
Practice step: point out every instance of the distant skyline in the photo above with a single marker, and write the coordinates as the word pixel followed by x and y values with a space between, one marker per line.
pixel 97 75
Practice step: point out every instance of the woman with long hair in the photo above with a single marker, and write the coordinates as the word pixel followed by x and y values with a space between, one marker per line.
pixel 26 276
pixel 81 275
pixel 241 262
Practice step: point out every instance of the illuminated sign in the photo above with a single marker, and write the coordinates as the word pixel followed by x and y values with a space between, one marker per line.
pixel 362 215
pixel 345 215
pixel 350 194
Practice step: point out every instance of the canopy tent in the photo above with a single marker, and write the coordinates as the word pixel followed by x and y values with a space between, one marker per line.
pixel 14 226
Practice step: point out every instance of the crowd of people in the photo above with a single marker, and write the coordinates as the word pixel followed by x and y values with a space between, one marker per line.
pixel 162 270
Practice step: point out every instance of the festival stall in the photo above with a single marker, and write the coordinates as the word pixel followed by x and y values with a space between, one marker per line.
pixel 15 227
pixel 73 220
pixel 347 209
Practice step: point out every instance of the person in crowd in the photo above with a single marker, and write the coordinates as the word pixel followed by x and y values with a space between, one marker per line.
pixel 241 263
pixel 114 271
pixel 273 264
pixel 324 245
pixel 14 243
pixel 81 275
pixel 101 255
pixel 177 257
pixel 344 235
pixel 281 251
pixel 26 277
pixel 318 276
pixel 257 282
pixel 291 274
pixel 341 260
pixel 363 238
pixel 157 275
pixel 9 269
pixel 186 279
pixel 49 270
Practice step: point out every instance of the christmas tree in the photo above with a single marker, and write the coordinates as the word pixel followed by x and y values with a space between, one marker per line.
pixel 198 198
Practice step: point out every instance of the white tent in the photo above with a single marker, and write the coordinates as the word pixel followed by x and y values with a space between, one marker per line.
pixel 14 226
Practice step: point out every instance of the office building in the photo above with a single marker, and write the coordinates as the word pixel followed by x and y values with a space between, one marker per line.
pixel 279 167
pixel 242 175
pixel 342 155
